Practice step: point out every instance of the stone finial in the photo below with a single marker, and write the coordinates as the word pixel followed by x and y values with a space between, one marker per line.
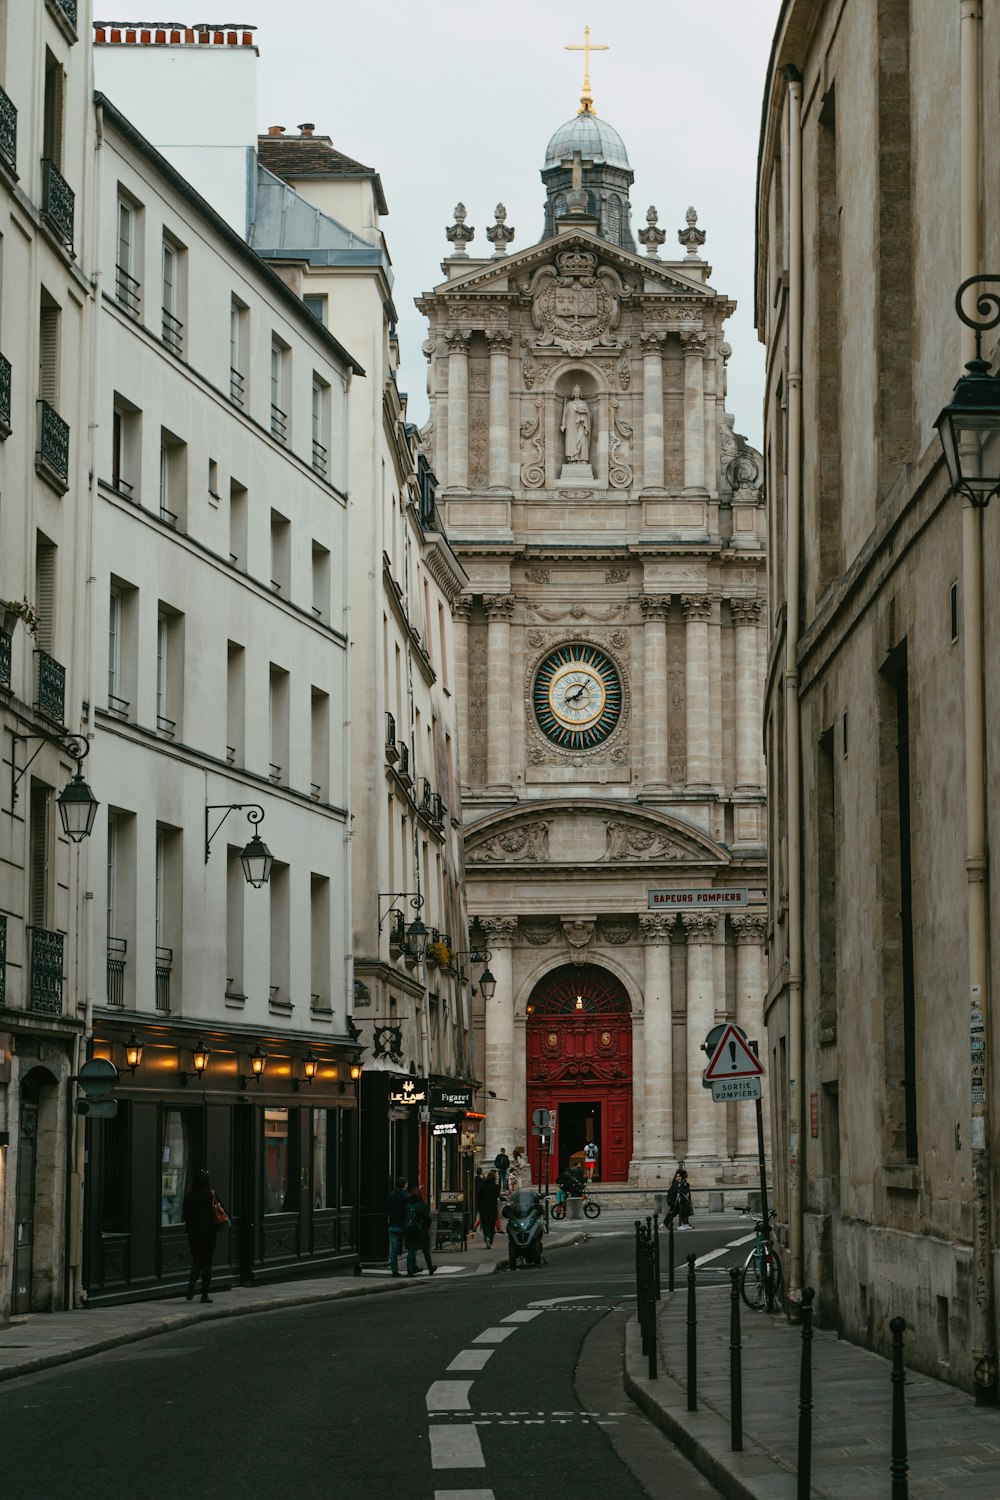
pixel 692 237
pixel 460 234
pixel 500 234
pixel 652 237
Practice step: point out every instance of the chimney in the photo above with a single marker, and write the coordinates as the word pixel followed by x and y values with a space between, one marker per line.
pixel 276 130
pixel 307 129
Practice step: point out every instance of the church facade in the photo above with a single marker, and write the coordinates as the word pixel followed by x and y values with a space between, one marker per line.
pixel 611 665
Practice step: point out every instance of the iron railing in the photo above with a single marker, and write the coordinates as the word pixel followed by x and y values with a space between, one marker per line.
pixel 404 761
pixel 3 960
pixel 118 706
pixel 52 457
pixel 164 963
pixel 4 657
pixel 4 397
pixel 116 970
pixel 45 983
pixel 390 732
pixel 172 331
pixel 319 458
pixel 58 201
pixel 50 687
pixel 279 423
pixel 424 796
pixel 237 386
pixel 8 133
pixel 127 291
pixel 166 726
pixel 273 772
pixel 438 809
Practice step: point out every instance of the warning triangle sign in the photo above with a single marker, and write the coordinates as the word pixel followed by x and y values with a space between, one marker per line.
pixel 732 1058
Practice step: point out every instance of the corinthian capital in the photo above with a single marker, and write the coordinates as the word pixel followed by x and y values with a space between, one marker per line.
pixel 745 611
pixel 500 931
pixel 651 340
pixel 655 606
pixel 657 926
pixel 499 340
pixel 750 926
pixel 499 607
pixel 700 926
pixel 697 607
pixel 457 340
pixel 695 344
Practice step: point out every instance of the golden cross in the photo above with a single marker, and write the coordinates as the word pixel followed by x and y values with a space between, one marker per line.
pixel 586 98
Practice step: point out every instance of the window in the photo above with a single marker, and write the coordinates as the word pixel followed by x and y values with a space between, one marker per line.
pixel 279 400
pixel 38 854
pixel 238 525
pixel 316 304
pixel 180 1158
pixel 48 349
pixel 213 479
pixel 169 670
pixel 52 111
pixel 336 470
pixel 279 887
pixel 278 743
pixel 115 701
pixel 239 319
pixel 280 1175
pixel 321 582
pixel 320 424
pixel 45 592
pixel 281 548
pixel 167 886
pixel 120 892
pixel 126 435
pixel 235 889
pixel 319 905
pixel 953 606
pixel 173 480
pixel 235 704
pixel 320 775
pixel 172 329
pixel 127 285
pixel 121 656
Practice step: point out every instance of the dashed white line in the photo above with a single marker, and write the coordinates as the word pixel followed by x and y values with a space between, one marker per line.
pixel 449 1395
pixel 463 1495
pixel 524 1315
pixel 471 1359
pixel 714 1254
pixel 456 1446
pixel 493 1335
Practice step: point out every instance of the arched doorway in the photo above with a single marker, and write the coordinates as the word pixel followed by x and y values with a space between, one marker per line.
pixel 579 1034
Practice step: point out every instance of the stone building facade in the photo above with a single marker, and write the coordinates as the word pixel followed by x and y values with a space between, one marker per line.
pixel 876 198
pixel 611 660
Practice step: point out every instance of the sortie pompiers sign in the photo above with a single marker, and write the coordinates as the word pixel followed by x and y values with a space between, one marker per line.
pixel 693 900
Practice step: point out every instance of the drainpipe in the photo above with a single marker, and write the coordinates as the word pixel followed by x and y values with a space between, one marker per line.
pixel 793 755
pixel 981 1320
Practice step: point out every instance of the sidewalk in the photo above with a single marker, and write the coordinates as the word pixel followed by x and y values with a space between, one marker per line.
pixel 954 1446
pixel 37 1341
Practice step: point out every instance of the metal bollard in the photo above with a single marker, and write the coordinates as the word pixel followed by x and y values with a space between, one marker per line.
pixel 898 1465
pixel 639 1290
pixel 656 1254
pixel 670 1252
pixel 651 1307
pixel 692 1340
pixel 735 1364
pixel 805 1399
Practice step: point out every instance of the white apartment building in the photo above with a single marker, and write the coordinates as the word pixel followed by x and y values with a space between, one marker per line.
pixel 46 393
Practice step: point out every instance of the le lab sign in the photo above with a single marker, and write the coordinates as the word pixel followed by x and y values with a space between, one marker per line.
pixel 694 900
pixel 413 1091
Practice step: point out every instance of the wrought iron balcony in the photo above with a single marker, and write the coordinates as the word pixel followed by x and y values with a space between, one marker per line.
pixel 172 331
pixel 391 752
pixel 237 386
pixel 4 658
pixel 4 397
pixel 424 795
pixel 279 423
pixel 164 963
pixel 404 763
pixel 58 202
pixel 116 970
pixel 3 960
pixel 8 133
pixel 45 981
pixel 52 455
pixel 319 458
pixel 50 687
pixel 127 291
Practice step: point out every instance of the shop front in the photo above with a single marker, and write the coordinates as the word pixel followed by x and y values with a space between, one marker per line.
pixel 273 1119
pixel 391 1147
pixel 450 1164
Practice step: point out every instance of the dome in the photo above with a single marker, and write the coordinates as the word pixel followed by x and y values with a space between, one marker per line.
pixel 595 140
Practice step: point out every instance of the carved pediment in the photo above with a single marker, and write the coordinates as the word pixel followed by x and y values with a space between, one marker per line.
pixel 596 833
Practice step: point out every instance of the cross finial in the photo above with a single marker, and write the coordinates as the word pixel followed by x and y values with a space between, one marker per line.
pixel 586 98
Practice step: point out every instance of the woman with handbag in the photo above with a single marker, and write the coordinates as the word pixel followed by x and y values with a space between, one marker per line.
pixel 204 1216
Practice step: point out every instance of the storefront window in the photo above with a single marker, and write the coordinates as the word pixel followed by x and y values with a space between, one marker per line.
pixel 348 1165
pixel 324 1159
pixel 178 1155
pixel 114 1171
pixel 279 1168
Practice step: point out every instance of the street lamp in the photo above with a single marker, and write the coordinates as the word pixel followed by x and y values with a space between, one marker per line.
pixel 416 933
pixel 487 985
pixel 356 1067
pixel 973 414
pixel 76 802
pixel 133 1053
pixel 256 858
pixel 200 1053
pixel 309 1065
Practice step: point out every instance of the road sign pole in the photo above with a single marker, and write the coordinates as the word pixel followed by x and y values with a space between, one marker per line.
pixel 765 1217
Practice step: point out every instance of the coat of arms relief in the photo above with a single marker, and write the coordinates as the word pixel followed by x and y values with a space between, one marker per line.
pixel 576 303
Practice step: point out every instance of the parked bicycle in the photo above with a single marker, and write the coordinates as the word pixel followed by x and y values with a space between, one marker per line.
pixel 591 1207
pixel 761 1279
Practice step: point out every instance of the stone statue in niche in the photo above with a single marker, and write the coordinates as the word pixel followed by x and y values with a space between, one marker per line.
pixel 577 425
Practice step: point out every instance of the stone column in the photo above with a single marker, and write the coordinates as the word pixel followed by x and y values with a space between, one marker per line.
pixel 499 341
pixel 694 412
pixel 458 408
pixel 702 1123
pixel 498 1059
pixel 652 411
pixel 658 1141
pixel 698 612
pixel 499 609
pixel 655 608
pixel 746 616
pixel 461 609
pixel 750 928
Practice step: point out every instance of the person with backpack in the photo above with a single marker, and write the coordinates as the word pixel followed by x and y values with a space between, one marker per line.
pixel 417 1233
pixel 679 1199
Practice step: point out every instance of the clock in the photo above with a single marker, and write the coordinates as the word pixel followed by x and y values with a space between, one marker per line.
pixel 577 696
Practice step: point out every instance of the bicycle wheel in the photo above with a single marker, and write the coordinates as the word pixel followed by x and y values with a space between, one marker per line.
pixel 591 1209
pixel 558 1211
pixel 752 1280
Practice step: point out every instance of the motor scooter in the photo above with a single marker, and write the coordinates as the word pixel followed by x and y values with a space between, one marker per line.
pixel 525 1220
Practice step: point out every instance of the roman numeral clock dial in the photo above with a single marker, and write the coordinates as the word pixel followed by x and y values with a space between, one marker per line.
pixel 577 696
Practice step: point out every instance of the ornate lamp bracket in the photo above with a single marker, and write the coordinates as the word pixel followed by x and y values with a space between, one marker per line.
pixel 253 810
pixel 75 746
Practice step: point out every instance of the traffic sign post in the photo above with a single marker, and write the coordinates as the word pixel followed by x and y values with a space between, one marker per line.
pixel 733 1074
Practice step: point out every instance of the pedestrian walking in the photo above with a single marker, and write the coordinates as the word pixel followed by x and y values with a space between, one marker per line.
pixel 417 1233
pixel 399 1202
pixel 679 1202
pixel 590 1160
pixel 487 1204
pixel 502 1163
pixel 203 1218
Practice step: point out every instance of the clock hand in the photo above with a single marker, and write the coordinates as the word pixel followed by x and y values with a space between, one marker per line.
pixel 573 697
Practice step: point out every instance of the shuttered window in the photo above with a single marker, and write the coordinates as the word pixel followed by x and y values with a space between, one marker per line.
pixel 48 351
pixel 52 125
pixel 38 854
pixel 45 593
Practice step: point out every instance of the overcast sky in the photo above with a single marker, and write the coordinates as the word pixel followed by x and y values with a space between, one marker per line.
pixel 454 99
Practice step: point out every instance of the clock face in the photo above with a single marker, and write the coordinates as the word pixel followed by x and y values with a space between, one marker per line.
pixel 577 696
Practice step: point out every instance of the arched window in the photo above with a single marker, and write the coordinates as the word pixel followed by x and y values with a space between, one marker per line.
pixel 579 989
pixel 614 219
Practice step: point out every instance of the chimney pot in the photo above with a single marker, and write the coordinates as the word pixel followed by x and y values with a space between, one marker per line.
pixel 307 129
pixel 276 130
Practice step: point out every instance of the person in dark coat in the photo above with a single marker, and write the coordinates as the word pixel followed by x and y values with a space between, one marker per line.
pixel 502 1163
pixel 487 1202
pixel 679 1199
pixel 199 1221
pixel 417 1233
pixel 399 1202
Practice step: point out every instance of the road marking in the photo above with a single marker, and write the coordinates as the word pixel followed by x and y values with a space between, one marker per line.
pixel 464 1495
pixel 449 1395
pixel 525 1315
pixel 456 1447
pixel 551 1301
pixel 471 1359
pixel 493 1335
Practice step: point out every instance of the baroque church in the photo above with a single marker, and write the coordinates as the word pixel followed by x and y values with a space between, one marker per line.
pixel 611 655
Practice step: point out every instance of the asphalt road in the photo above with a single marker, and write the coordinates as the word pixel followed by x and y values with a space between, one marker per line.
pixel 463 1387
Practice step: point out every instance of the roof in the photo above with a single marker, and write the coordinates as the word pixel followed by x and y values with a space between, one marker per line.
pixel 595 140
pixel 295 156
